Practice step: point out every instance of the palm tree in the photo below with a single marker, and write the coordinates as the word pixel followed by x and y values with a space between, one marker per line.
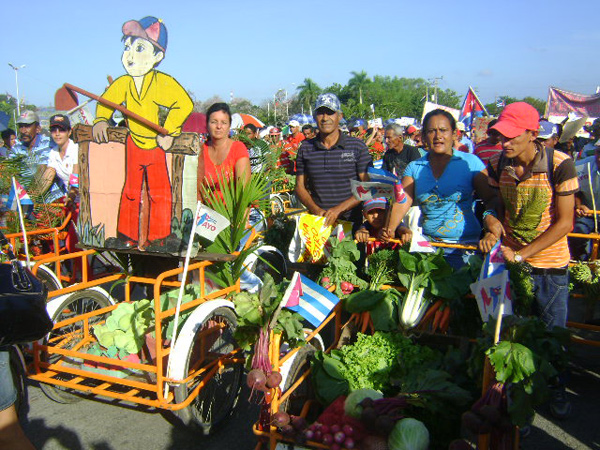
pixel 358 82
pixel 308 93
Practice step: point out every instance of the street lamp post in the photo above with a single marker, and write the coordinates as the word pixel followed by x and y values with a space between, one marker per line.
pixel 16 69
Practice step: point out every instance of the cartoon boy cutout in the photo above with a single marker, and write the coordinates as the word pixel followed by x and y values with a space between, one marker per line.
pixel 143 91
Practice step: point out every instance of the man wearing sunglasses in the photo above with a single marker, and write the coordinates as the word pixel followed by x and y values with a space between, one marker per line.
pixel 325 166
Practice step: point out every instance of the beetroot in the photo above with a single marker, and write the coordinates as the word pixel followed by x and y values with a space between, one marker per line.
pixel 256 379
pixel 374 443
pixel 273 380
pixel 281 419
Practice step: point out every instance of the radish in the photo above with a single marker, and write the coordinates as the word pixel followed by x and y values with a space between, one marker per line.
pixel 348 430
pixel 346 287
pixel 327 439
pixel 326 282
pixel 339 437
pixel 349 443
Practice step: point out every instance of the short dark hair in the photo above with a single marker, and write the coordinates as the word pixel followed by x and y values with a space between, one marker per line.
pixel 251 127
pixel 6 134
pixel 308 126
pixel 439 112
pixel 224 107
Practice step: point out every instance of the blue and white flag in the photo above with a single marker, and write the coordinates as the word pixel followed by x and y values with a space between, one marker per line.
pixel 382 176
pixel 20 194
pixel 307 298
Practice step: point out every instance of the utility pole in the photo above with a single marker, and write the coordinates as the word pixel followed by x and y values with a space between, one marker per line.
pixel 435 88
pixel 16 69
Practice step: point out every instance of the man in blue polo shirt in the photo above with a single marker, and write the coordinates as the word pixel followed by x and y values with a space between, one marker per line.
pixel 326 164
pixel 33 146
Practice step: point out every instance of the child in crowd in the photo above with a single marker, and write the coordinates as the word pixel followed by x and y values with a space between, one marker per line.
pixel 375 212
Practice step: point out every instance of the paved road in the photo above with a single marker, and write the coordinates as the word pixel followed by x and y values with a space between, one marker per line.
pixel 97 425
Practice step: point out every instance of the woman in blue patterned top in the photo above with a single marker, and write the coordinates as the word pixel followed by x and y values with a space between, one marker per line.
pixel 442 183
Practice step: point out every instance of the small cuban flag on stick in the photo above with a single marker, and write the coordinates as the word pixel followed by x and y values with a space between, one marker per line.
pixel 16 198
pixel 307 298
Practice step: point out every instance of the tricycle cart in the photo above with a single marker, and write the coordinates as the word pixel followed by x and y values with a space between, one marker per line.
pixel 198 379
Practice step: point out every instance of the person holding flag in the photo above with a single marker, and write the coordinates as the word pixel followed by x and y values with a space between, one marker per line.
pixel 443 182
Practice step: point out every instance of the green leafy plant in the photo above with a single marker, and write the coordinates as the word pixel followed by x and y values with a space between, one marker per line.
pixel 234 204
pixel 528 359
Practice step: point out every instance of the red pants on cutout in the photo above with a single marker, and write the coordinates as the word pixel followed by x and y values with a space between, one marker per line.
pixel 148 166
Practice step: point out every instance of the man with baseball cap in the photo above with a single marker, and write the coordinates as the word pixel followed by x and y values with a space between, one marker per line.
pixel 296 136
pixel 548 134
pixel 143 91
pixel 537 187
pixel 325 165
pixel 33 146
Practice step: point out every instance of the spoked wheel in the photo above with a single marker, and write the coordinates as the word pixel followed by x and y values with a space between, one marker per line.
pixel 304 392
pixel 218 397
pixel 76 304
pixel 46 276
pixel 277 206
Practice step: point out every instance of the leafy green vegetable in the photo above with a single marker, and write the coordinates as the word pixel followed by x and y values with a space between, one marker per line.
pixel 512 362
pixel 341 265
pixel 364 300
pixel 409 434
pixel 328 381
pixel 385 314
pixel 382 268
pixel 352 406
pixel 256 311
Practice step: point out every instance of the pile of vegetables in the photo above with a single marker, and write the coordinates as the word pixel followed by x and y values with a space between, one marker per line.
pixel 340 273
pixel 347 424
pixel 125 329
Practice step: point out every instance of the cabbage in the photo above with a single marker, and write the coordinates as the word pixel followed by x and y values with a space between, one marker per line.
pixel 409 434
pixel 352 406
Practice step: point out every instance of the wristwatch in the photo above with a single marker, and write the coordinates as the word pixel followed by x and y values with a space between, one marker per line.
pixel 518 258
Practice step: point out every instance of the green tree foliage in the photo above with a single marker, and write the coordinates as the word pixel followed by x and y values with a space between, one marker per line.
pixel 308 93
pixel 8 104
pixel 538 104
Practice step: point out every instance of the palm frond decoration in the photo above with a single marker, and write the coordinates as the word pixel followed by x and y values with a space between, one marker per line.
pixel 234 203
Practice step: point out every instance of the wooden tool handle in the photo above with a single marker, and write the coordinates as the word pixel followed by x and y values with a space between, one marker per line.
pixel 132 115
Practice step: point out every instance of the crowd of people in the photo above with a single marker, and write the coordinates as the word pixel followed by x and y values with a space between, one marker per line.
pixel 519 185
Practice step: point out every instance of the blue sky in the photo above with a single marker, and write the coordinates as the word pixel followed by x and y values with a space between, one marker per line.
pixel 510 47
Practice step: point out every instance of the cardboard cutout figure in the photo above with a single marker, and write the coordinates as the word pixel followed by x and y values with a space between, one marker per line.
pixel 150 210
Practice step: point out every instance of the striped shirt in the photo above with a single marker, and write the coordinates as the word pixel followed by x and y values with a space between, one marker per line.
pixel 328 171
pixel 529 202
pixel 485 150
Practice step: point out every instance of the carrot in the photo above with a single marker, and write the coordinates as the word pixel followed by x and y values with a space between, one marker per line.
pixel 331 288
pixel 429 314
pixel 445 320
pixel 436 320
pixel 365 321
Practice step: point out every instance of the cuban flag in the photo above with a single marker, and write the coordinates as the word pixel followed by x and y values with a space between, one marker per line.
pixel 20 194
pixel 307 298
pixel 390 179
pixel 471 109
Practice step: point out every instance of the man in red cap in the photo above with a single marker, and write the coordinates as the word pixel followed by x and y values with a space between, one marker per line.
pixel 537 187
pixel 143 91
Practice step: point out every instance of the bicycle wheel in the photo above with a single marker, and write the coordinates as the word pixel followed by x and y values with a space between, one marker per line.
pixel 17 370
pixel 46 276
pixel 219 395
pixel 294 403
pixel 76 304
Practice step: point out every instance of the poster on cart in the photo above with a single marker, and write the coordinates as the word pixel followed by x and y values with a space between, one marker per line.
pixel 139 182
